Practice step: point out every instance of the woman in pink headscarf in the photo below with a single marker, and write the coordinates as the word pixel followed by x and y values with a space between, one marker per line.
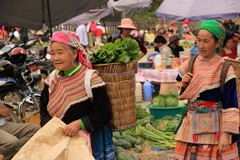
pixel 66 97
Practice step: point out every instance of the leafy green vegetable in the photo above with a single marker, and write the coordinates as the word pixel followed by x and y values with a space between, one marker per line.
pixel 158 101
pixel 141 113
pixel 119 51
pixel 171 101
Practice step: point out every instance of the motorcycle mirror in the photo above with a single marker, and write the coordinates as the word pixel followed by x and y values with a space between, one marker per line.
pixel 30 43
pixel 5 49
pixel 48 56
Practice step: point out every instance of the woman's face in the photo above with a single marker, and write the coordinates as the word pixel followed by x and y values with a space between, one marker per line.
pixel 230 44
pixel 62 57
pixel 126 31
pixel 206 44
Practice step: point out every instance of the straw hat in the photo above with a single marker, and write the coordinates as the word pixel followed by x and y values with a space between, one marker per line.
pixel 39 33
pixel 127 23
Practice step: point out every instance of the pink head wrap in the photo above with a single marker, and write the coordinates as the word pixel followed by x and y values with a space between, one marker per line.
pixel 69 38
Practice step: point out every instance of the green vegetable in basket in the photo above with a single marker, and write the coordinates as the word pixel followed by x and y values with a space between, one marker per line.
pixel 119 51
pixel 171 101
pixel 158 101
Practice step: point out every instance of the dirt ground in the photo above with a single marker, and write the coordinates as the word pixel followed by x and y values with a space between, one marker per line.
pixel 149 154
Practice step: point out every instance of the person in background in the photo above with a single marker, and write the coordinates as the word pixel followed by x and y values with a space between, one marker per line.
pixel 125 29
pixel 65 95
pixel 163 32
pixel 231 27
pixel 186 23
pixel 24 35
pixel 149 37
pixel 98 34
pixel 229 49
pixel 3 33
pixel 160 24
pixel 173 28
pixel 81 32
pixel 174 45
pixel 200 135
pixel 13 135
pixel 141 36
pixel 187 34
pixel 162 47
pixel 91 28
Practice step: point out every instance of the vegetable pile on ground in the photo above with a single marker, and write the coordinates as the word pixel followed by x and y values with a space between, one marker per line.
pixel 157 133
pixel 170 100
pixel 120 51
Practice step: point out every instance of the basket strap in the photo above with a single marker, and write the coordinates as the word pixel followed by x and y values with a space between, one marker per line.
pixel 87 81
pixel 191 63
pixel 225 67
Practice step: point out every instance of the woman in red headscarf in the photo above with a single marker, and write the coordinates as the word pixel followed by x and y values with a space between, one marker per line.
pixel 66 97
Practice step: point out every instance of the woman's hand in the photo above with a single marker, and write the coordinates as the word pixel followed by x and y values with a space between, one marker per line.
pixel 186 79
pixel 72 128
pixel 142 54
pixel 223 143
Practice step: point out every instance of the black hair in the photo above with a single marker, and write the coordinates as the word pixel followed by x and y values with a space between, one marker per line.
pixel 227 38
pixel 160 39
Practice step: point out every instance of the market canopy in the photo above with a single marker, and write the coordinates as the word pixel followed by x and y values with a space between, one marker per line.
pixel 197 10
pixel 34 13
pixel 89 16
pixel 119 5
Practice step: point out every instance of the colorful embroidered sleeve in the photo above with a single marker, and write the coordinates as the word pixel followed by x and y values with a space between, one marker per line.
pixel 230 112
pixel 183 68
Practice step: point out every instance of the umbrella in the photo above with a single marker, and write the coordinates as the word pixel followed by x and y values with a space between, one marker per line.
pixel 89 16
pixel 34 13
pixel 197 10
pixel 119 5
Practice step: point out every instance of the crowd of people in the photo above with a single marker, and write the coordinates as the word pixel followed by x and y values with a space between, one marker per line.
pixel 177 31
pixel 65 96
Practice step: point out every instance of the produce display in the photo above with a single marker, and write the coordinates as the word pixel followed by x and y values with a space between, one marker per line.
pixel 186 44
pixel 120 51
pixel 170 100
pixel 156 133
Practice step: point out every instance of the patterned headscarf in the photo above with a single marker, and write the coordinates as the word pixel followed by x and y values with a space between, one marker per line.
pixel 215 27
pixel 69 38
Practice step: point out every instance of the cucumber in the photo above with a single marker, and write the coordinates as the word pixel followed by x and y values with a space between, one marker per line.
pixel 118 149
pixel 124 144
pixel 116 135
pixel 138 148
pixel 123 156
pixel 114 141
pixel 130 139
pixel 134 156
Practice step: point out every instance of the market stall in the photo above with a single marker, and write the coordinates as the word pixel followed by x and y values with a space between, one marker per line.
pixel 158 76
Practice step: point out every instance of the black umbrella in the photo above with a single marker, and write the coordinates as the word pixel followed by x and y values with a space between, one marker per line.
pixel 34 13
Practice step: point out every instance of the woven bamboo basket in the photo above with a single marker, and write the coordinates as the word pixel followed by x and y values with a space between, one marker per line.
pixel 120 83
pixel 236 67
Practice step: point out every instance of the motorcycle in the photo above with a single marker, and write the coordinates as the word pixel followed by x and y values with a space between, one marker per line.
pixel 16 81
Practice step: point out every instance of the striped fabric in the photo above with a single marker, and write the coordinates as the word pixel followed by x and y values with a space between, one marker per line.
pixel 206 76
pixel 185 133
pixel 205 152
pixel 65 91
pixel 230 120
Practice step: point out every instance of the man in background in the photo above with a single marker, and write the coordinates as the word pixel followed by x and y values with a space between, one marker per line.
pixel 13 135
pixel 81 32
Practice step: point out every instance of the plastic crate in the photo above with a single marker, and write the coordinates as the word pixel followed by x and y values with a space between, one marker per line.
pixel 160 112
pixel 145 65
